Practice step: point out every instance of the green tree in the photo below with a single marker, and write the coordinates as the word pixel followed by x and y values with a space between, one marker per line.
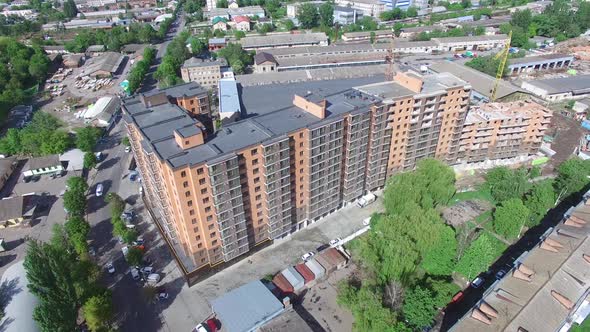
pixel 505 183
pixel 365 304
pixel 326 12
pixel 440 259
pixel 198 46
pixel 70 8
pixel 419 307
pixel 125 141
pixel 74 203
pixel 90 160
pixel 87 137
pixel 412 11
pixel 98 312
pixel 443 289
pixel 478 256
pixel 289 25
pixel 134 256
pixel 308 15
pixel 522 18
pixel 77 229
pixel 510 217
pixel 572 177
pixel 10 144
pixel 539 200
pixel 129 236
pixel 116 203
pixel 222 4
pixel 77 184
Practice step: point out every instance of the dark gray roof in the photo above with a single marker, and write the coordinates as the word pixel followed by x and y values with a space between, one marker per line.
pixel 247 307
pixel 183 90
pixel 109 61
pixel 284 39
pixel 11 208
pixel 6 165
pixel 132 48
pixel 575 84
pixel 262 57
pixel 198 62
pixel 266 121
pixel 345 9
pixel 540 58
pixel 43 162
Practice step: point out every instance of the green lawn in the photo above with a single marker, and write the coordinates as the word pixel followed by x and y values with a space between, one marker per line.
pixel 482 193
pixel 585 327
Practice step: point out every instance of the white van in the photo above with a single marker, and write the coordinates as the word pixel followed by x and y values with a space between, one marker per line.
pixel 153 278
pixel 366 200
pixel 134 274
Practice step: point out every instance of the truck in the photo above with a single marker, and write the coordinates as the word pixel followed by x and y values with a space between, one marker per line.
pixel 366 200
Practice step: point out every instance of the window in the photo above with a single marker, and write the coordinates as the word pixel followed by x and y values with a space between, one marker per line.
pixel 301 144
pixel 258 197
pixel 208 209
pixel 256 180
pixel 204 191
pixel 191 212
pixel 259 206
pixel 212 234
pixel 199 246
pixel 187 194
pixel 186 142
pixel 194 221
pixel 205 200
pixel 211 226
pixel 209 217
pixel 256 189
pixel 254 152
pixel 183 174
pixel 200 171
pixel 255 162
pixel 185 184
pixel 201 181
pixel 301 153
pixel 189 203
pixel 198 237
pixel 196 229
pixel 300 135
pixel 214 242
pixel 255 171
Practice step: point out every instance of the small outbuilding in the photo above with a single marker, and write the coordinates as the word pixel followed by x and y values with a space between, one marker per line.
pixel 305 272
pixel 282 284
pixel 14 211
pixel 265 62
pixel 43 165
pixel 335 257
pixel 247 308
pixel 7 166
pixel 294 278
pixel 315 267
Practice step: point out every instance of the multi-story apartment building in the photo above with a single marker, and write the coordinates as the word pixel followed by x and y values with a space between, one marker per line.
pixel 266 176
pixel 206 73
pixel 503 130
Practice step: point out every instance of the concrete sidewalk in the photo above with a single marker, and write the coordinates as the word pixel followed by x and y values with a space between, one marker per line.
pixel 189 306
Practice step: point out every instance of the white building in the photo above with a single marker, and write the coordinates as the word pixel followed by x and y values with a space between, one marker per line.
pixel 229 100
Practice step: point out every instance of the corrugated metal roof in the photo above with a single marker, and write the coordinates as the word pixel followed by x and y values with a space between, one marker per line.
pixel 246 308
pixel 326 264
pixel 305 272
pixel 282 283
pixel 316 268
pixel 294 278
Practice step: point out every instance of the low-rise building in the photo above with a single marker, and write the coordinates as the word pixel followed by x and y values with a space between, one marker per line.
pixel 581 108
pixel 415 31
pixel 13 212
pixel 55 49
pixel 73 60
pixel 241 23
pixel 415 47
pixel 541 40
pixel 216 43
pixel 43 165
pixel 95 50
pixel 539 63
pixel 104 65
pixel 246 308
pixel 219 23
pixel 545 288
pixel 346 15
pixel 7 166
pixel 206 73
pixel 229 13
pixel 472 43
pixel 556 89
pixel 107 14
pixel 264 62
pixel 103 112
pixel 503 130
pixel 364 36
pixel 284 40
pixel 368 7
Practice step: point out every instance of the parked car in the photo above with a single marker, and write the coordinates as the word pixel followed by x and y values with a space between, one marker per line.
pixel 99 189
pixel 366 200
pixel 98 156
pixel 336 242
pixel 162 296
pixel 500 274
pixel 138 241
pixel 133 176
pixel 477 282
pixel 147 270
pixel 153 278
pixel 135 274
pixel 127 149
pixel 457 297
pixel 110 268
pixel 125 251
pixel 307 256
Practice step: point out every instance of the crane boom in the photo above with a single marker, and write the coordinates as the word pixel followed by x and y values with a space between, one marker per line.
pixel 503 55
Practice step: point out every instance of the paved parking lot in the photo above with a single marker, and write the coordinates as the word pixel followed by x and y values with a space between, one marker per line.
pixel 190 306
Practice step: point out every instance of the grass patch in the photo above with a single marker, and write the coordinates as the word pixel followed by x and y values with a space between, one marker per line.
pixel 482 193
pixel 584 327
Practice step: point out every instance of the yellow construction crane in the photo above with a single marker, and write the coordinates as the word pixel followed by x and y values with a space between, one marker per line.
pixel 503 55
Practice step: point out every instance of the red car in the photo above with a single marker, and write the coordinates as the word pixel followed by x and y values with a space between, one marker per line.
pixel 457 297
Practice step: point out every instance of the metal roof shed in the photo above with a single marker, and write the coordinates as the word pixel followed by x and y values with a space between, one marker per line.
pixel 325 263
pixel 247 308
pixel 335 257
pixel 305 272
pixel 315 267
pixel 282 283
pixel 294 278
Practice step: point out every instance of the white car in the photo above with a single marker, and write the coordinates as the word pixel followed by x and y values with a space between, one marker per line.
pixel 99 189
pixel 110 268
pixel 200 328
pixel 127 149
pixel 135 274
pixel 336 242
pixel 307 256
pixel 162 296
pixel 147 270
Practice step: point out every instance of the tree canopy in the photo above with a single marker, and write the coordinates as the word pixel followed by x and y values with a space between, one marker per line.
pixel 478 256
pixel 505 183
pixel 236 56
pixel 40 137
pixel 419 307
pixel 572 176
pixel 539 200
pixel 510 217
pixel 308 16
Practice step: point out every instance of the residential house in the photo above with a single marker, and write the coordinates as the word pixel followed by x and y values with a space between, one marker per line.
pixel 264 63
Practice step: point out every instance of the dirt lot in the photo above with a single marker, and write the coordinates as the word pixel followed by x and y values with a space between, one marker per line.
pixel 320 303
pixel 566 134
